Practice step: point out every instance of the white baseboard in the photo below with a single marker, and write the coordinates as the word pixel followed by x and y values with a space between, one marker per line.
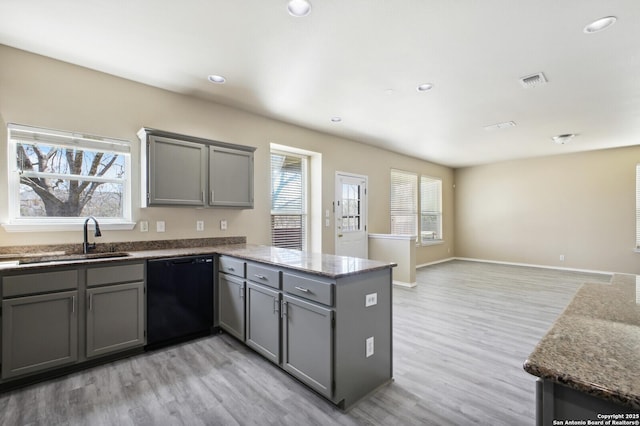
pixel 531 265
pixel 404 284
pixel 448 259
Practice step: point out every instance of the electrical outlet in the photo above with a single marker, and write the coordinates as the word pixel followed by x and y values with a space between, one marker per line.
pixel 370 300
pixel 369 344
pixel 144 226
pixel 160 226
pixel 223 224
pixel 200 225
pixel 562 258
pixel 327 222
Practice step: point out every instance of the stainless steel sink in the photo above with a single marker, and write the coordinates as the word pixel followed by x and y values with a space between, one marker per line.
pixel 70 257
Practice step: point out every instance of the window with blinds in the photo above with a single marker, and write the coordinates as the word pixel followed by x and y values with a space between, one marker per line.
pixel 430 209
pixel 638 206
pixel 404 202
pixel 62 177
pixel 288 200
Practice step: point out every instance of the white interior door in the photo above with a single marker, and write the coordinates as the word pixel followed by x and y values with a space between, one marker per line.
pixel 351 215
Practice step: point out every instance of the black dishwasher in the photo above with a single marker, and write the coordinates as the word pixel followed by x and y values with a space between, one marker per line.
pixel 179 299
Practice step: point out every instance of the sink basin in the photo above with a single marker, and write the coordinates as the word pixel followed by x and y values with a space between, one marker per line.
pixel 70 257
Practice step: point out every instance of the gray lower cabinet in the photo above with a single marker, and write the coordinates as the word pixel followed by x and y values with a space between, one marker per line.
pixel 62 316
pixel 263 321
pixel 332 334
pixel 560 404
pixel 115 318
pixel 39 332
pixel 115 308
pixel 307 343
pixel 231 291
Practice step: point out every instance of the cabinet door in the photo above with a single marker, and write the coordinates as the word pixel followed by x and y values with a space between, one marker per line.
pixel 176 172
pixel 231 295
pixel 39 332
pixel 115 318
pixel 307 343
pixel 230 177
pixel 263 321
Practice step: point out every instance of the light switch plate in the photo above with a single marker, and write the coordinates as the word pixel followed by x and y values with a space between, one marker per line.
pixel 160 226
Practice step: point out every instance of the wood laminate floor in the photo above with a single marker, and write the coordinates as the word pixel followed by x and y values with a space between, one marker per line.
pixel 460 338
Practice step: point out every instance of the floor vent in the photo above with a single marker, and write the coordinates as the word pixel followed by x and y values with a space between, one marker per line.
pixel 533 80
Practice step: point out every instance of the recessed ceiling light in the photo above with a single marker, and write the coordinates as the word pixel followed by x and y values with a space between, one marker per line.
pixel 424 87
pixel 299 8
pixel 218 79
pixel 600 24
pixel 562 139
pixel 336 119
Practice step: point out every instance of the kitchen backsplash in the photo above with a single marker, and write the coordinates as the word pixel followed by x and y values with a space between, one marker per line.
pixel 123 246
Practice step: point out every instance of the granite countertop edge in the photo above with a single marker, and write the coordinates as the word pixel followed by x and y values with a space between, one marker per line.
pixel 325 265
pixel 593 389
pixel 588 307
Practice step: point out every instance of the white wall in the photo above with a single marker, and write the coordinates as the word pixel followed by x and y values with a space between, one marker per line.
pixel 532 211
pixel 43 92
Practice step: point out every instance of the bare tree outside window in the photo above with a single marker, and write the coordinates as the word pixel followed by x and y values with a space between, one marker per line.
pixel 61 181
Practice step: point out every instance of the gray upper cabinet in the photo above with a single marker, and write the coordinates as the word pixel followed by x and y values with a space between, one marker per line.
pixel 40 331
pixel 176 172
pixel 230 177
pixel 181 170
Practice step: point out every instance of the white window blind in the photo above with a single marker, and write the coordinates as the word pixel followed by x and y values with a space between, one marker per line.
pixel 638 206
pixel 65 176
pixel 288 200
pixel 404 203
pixel 430 209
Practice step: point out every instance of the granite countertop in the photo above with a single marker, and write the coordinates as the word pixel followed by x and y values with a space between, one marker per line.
pixel 594 346
pixel 326 265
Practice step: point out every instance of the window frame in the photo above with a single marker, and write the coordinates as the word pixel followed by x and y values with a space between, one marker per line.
pixel 637 248
pixel 437 212
pixel 416 209
pixel 17 223
pixel 407 210
pixel 303 213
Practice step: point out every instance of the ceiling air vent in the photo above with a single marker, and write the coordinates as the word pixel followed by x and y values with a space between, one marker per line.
pixel 533 80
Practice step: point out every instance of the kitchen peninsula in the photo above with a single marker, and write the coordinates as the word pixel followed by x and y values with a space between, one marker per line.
pixel 588 363
pixel 331 314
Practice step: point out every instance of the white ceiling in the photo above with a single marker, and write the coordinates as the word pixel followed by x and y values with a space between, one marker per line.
pixel 362 60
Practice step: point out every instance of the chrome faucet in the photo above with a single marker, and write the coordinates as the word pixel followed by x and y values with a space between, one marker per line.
pixel 86 247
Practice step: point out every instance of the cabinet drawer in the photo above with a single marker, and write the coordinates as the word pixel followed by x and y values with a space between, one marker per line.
pixel 20 285
pixel 263 274
pixel 308 287
pixel 231 265
pixel 115 274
